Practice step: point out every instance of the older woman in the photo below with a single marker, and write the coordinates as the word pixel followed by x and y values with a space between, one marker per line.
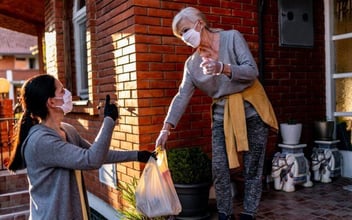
pixel 223 67
pixel 54 153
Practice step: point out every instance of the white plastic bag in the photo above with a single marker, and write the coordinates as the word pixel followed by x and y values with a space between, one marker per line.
pixel 155 193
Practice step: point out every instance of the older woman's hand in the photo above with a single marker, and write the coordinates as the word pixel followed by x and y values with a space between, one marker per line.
pixel 162 138
pixel 212 67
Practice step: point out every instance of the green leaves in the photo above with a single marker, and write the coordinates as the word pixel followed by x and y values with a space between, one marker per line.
pixel 189 165
pixel 128 194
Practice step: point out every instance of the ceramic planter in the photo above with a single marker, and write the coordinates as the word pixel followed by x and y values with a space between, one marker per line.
pixel 291 133
pixel 324 130
pixel 194 200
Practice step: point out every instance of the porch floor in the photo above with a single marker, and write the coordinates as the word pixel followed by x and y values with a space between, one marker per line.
pixel 323 201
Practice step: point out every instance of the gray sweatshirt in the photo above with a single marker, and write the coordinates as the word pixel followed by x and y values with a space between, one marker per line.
pixel 51 162
pixel 233 50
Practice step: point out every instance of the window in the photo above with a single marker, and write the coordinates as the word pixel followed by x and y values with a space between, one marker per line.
pixel 26 62
pixel 32 63
pixel 338 26
pixel 21 63
pixel 80 39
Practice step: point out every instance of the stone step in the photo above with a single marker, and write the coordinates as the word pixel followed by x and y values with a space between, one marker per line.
pixel 16 213
pixel 14 199
pixel 14 205
pixel 14 193
pixel 14 196
pixel 13 182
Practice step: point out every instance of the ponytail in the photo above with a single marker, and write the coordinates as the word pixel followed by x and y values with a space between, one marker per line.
pixel 25 123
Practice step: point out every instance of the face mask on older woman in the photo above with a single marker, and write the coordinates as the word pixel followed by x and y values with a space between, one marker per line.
pixel 192 37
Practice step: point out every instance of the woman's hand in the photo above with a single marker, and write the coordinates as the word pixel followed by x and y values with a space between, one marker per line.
pixel 110 110
pixel 161 140
pixel 212 67
pixel 143 156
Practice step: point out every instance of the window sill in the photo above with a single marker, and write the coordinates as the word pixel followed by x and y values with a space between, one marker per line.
pixel 84 106
pixel 81 103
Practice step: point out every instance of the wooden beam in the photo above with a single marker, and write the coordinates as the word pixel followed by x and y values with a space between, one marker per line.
pixel 19 25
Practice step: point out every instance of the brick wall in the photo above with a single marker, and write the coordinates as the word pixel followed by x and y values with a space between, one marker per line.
pixel 7 62
pixel 52 44
pixel 135 58
pixel 295 77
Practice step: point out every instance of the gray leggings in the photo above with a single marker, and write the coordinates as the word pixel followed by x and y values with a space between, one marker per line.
pixel 253 160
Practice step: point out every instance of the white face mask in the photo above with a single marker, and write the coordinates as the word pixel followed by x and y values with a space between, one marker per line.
pixel 192 37
pixel 68 105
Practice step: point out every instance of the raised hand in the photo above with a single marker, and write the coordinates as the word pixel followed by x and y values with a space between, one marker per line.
pixel 110 110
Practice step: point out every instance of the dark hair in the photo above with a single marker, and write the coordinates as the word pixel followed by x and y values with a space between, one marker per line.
pixel 34 95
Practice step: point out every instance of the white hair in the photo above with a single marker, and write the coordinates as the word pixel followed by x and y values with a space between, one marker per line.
pixel 193 15
pixel 189 13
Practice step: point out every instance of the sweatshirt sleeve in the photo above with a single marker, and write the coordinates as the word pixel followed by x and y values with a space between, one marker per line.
pixel 113 156
pixel 180 101
pixel 54 152
pixel 118 156
pixel 244 67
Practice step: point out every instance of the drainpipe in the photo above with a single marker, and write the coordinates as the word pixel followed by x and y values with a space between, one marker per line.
pixel 261 42
pixel 267 161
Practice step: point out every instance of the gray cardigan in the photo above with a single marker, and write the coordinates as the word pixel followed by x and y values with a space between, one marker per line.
pixel 233 50
pixel 51 162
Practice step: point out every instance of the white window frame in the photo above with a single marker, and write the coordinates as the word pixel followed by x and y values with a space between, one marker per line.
pixel 79 18
pixel 330 75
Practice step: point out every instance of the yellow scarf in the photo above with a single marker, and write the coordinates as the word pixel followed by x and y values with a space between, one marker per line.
pixel 235 121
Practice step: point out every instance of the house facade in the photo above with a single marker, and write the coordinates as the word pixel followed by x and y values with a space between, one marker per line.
pixel 18 59
pixel 126 49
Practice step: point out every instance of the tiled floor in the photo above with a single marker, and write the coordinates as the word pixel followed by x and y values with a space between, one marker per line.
pixel 323 201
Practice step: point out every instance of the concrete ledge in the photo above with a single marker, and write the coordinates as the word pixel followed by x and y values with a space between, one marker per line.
pixel 14 193
pixel 16 215
pixel 8 173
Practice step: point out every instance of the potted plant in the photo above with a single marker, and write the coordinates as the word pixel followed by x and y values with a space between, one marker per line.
pixel 291 132
pixel 324 130
pixel 190 170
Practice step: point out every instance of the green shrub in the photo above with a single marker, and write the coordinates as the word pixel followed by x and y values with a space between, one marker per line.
pixel 189 165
